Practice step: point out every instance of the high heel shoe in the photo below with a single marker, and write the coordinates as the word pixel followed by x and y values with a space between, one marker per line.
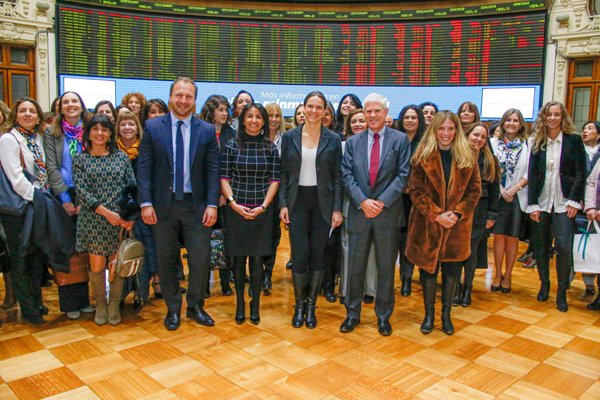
pixel 505 289
pixel 497 288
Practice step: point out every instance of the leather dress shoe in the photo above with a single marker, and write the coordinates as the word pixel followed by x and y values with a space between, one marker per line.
pixel 384 327
pixel 198 314
pixel 172 320
pixel 330 297
pixel 349 324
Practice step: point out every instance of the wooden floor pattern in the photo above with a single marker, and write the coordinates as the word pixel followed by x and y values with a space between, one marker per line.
pixel 507 346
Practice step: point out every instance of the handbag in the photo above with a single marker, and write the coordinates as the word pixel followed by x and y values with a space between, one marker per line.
pixel 78 271
pixel 130 257
pixel 586 249
pixel 10 202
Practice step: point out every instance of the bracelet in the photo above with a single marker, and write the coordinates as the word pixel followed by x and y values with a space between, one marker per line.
pixel 263 207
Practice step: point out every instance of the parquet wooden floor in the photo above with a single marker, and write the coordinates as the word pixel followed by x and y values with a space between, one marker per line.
pixel 507 346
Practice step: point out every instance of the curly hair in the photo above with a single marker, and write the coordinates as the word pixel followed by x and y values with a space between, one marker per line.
pixel 540 131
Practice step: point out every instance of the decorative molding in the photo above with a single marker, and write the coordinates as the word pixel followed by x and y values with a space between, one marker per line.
pixel 8 31
pixel 42 55
pixel 594 24
pixel 561 63
pixel 8 9
pixel 592 46
pixel 565 3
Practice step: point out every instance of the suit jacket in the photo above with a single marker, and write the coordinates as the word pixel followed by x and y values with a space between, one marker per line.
pixel 155 169
pixel 328 164
pixel 428 242
pixel 391 178
pixel 572 170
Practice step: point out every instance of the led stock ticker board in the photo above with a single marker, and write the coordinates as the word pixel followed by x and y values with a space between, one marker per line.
pixel 492 49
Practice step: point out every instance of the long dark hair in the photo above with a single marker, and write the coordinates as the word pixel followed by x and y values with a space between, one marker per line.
pixel 102 120
pixel 420 118
pixel 146 110
pixel 339 118
pixel 241 135
pixel 85 114
pixel 110 105
pixel 235 99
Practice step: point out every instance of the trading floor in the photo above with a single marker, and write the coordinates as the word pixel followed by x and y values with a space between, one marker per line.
pixel 506 346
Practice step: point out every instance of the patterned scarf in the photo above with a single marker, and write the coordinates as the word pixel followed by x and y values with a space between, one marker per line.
pixel 38 157
pixel 74 135
pixel 508 157
pixel 131 151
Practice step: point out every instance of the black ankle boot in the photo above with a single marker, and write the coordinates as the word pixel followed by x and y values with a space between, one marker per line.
pixel 256 279
pixel 465 300
pixel 429 288
pixel 300 282
pixel 224 278
pixel 267 284
pixel 544 292
pixel 594 305
pixel 561 298
pixel 240 310
pixel 311 302
pixel 449 283
pixel 239 276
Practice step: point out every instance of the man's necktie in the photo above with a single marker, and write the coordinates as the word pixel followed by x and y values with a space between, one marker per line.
pixel 374 163
pixel 179 156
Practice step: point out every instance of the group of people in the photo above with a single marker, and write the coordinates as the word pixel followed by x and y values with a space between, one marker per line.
pixel 357 190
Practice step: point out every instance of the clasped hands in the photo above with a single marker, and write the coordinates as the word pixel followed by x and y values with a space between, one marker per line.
pixel 247 212
pixel 371 207
pixel 447 219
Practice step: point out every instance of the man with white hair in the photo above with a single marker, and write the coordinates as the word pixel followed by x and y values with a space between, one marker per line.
pixel 374 172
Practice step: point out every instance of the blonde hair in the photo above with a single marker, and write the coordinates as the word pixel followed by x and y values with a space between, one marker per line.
pixel 491 169
pixel 275 107
pixel 540 132
pixel 462 153
pixel 129 116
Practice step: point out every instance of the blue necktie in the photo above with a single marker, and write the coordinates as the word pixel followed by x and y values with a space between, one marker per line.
pixel 179 155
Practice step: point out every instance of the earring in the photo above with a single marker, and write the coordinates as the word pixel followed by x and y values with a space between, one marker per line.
pixel 108 141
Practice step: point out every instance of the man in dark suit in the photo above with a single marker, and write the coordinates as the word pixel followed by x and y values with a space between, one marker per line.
pixel 178 179
pixel 374 172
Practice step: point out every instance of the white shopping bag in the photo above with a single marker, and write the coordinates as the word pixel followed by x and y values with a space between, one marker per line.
pixel 586 250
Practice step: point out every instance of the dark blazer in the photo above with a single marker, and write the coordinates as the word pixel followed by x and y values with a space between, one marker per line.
pixel 572 170
pixel 488 205
pixel 227 133
pixel 155 165
pixel 391 178
pixel 329 177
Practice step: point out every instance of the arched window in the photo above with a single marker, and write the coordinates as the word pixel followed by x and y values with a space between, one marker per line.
pixel 595 7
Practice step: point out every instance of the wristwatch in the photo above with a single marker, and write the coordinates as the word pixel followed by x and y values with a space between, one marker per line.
pixel 230 199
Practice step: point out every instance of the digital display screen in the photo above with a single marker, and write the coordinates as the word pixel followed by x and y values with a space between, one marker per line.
pixel 488 50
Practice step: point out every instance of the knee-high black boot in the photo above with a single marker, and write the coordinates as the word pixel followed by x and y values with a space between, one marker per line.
pixel 224 278
pixel 239 279
pixel 267 285
pixel 544 273
pixel 300 282
pixel 429 287
pixel 9 294
pixel 449 283
pixel 314 285
pixel 256 276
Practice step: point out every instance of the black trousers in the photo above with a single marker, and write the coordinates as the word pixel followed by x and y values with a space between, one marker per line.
pixel 182 219
pixel 561 228
pixel 448 268
pixel 333 255
pixel 308 232
pixel 26 270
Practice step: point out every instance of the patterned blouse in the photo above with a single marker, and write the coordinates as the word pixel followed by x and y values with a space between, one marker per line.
pixel 250 171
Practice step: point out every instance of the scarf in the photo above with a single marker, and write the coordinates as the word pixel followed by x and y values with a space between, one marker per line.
pixel 38 157
pixel 74 135
pixel 131 151
pixel 508 157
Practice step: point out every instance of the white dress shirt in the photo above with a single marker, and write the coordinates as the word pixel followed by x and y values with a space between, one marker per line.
pixel 186 131
pixel 551 197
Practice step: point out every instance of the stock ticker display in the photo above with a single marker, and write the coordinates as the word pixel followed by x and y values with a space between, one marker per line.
pixel 466 50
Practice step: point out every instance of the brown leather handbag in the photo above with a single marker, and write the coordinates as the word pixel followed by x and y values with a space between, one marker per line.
pixel 78 271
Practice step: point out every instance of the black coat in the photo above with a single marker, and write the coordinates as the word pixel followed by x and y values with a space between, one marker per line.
pixel 328 164
pixel 488 205
pixel 49 228
pixel 572 170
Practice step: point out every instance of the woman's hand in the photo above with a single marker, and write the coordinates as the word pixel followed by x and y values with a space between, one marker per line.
pixel 447 219
pixel 571 212
pixel 336 219
pixel 256 211
pixel 113 218
pixel 242 210
pixel 127 225
pixel 535 216
pixel 284 215
pixel 71 209
pixel 489 223
pixel 508 194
